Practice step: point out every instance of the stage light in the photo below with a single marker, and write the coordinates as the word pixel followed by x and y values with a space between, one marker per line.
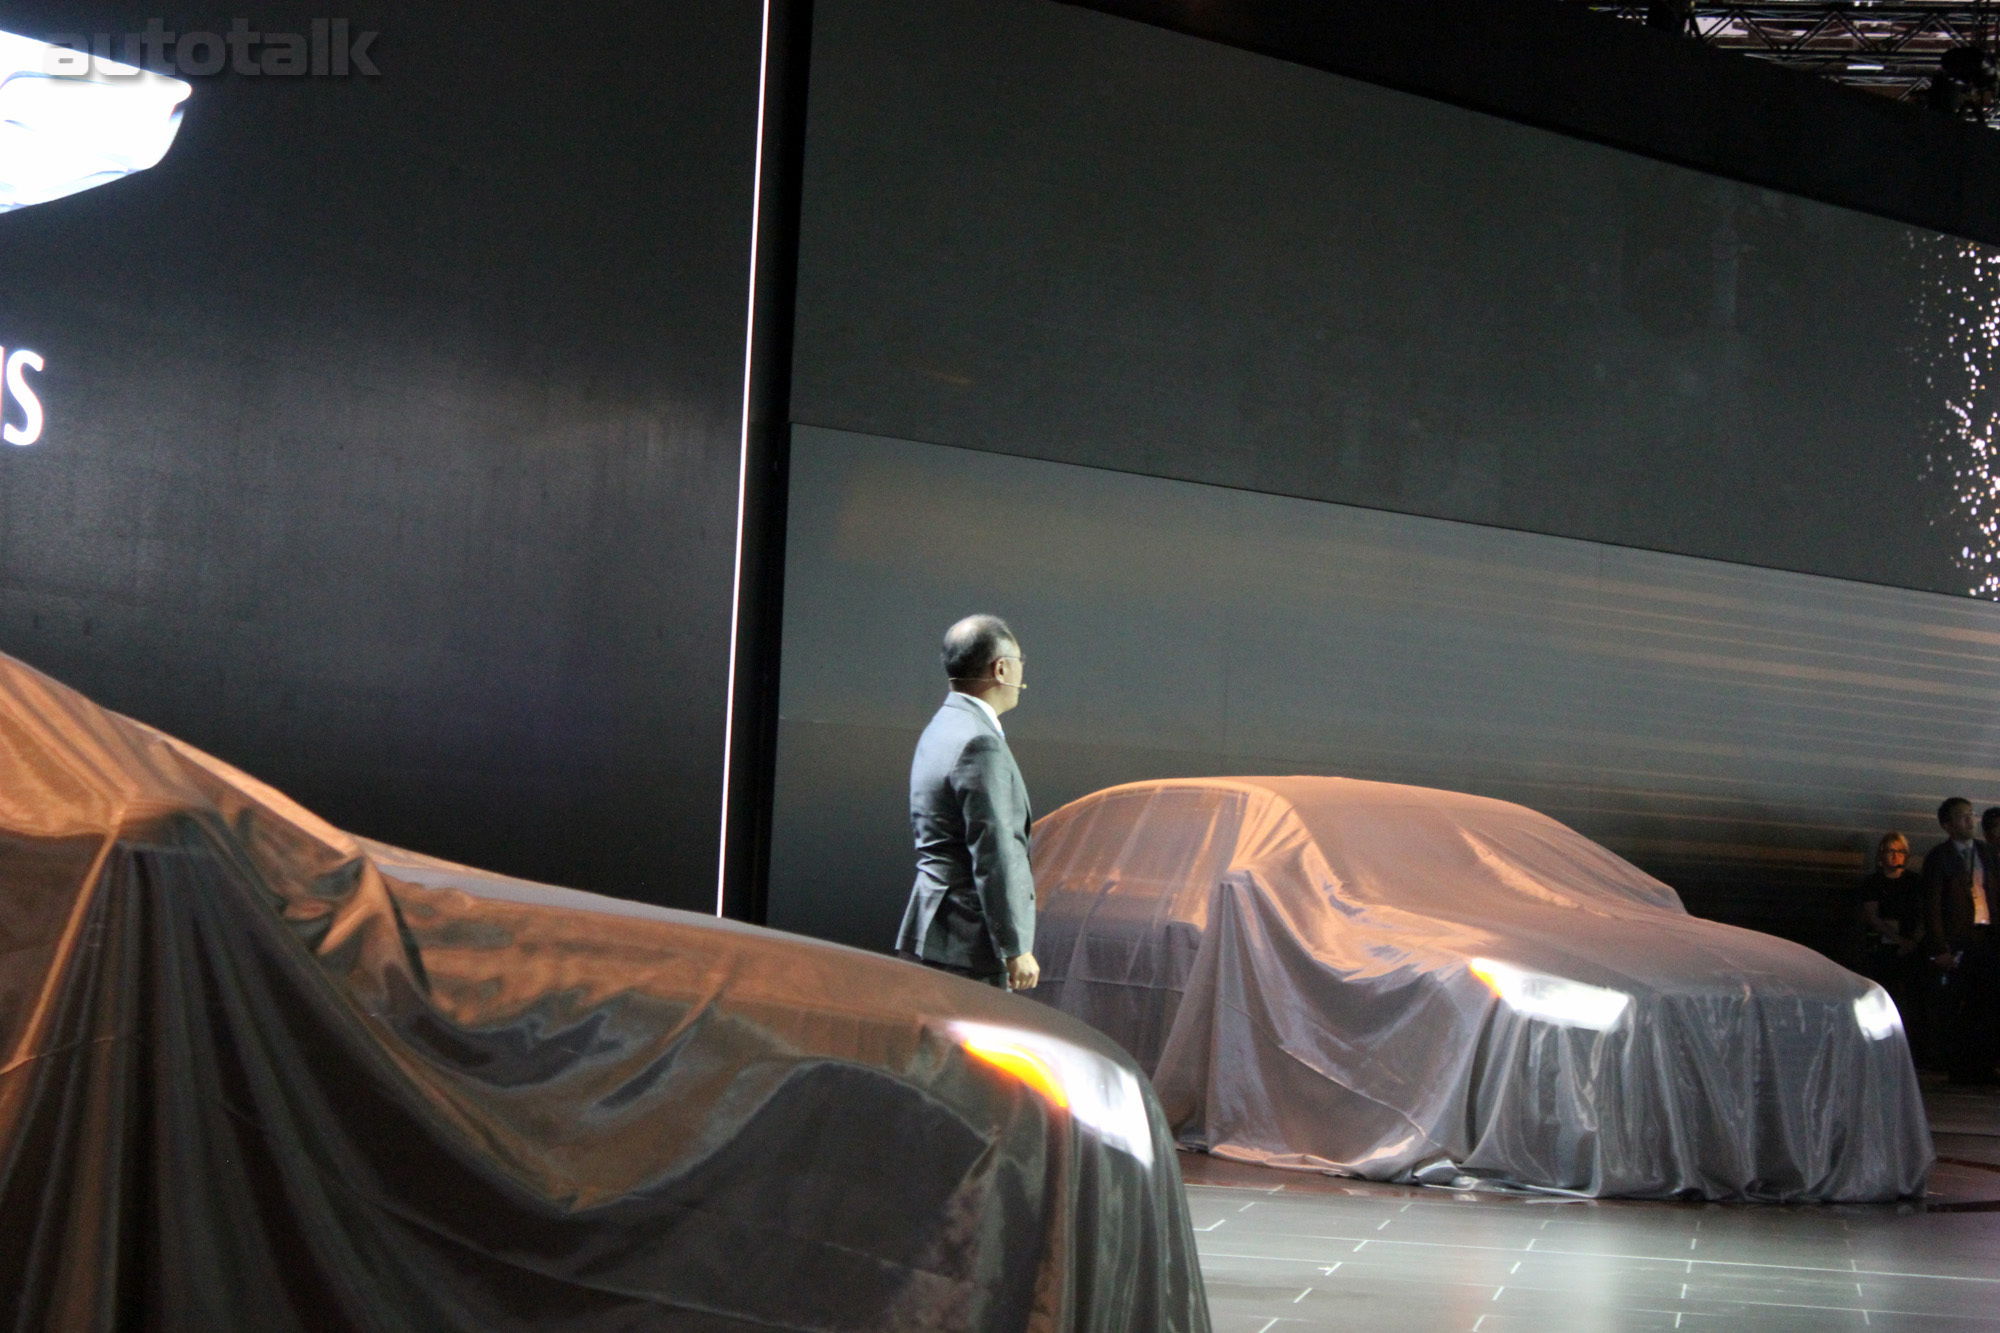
pixel 1965 82
pixel 1570 1004
pixel 1876 1013
pixel 1099 1094
pixel 70 122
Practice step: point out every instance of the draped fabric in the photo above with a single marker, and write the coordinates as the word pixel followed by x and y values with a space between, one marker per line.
pixel 1414 985
pixel 261 1075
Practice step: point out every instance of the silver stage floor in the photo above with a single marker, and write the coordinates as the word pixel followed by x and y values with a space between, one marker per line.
pixel 1286 1252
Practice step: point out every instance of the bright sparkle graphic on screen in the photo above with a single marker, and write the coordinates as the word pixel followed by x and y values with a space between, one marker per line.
pixel 1960 311
pixel 69 122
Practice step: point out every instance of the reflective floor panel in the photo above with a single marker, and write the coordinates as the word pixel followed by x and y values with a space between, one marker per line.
pixel 1285 1252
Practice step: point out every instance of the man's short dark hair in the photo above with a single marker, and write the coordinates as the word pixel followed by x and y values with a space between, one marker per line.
pixel 974 644
pixel 1951 803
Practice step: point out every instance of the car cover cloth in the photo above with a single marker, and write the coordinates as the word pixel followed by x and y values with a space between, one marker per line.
pixel 1297 962
pixel 260 1075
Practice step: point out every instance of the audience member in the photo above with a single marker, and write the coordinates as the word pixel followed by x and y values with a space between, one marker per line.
pixel 1961 878
pixel 1889 918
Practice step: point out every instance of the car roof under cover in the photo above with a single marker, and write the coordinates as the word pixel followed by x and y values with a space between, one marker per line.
pixel 1377 842
pixel 1428 875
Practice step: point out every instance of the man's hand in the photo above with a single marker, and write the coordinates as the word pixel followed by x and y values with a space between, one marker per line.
pixel 1023 972
pixel 1943 962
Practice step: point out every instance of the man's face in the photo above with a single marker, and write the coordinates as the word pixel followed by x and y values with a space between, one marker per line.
pixel 1961 823
pixel 1891 858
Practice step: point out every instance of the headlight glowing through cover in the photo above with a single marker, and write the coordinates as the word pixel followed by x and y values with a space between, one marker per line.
pixel 1876 1013
pixel 1098 1093
pixel 1570 1004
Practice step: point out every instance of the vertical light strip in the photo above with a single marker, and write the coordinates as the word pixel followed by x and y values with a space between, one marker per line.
pixel 743 466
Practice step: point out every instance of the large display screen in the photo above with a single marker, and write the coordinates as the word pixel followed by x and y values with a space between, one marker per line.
pixel 383 438
pixel 1039 230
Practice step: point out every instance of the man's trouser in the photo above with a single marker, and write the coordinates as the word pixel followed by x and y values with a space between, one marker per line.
pixel 983 978
pixel 1972 1010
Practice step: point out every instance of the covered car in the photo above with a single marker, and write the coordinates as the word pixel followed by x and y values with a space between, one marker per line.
pixel 1413 985
pixel 262 1075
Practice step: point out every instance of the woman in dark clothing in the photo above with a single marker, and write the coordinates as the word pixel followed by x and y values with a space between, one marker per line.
pixel 1890 907
pixel 1892 903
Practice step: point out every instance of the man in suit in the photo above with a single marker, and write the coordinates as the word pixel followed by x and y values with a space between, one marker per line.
pixel 972 909
pixel 1961 885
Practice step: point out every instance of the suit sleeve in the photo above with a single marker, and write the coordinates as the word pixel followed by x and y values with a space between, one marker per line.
pixel 991 799
pixel 1934 901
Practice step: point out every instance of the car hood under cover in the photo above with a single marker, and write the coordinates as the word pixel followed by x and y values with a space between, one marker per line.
pixel 261 1075
pixel 1290 959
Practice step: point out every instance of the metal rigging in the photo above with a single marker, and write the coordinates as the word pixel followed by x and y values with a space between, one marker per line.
pixel 1937 52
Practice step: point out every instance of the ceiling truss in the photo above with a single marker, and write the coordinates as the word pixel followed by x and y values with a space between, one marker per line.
pixel 1892 48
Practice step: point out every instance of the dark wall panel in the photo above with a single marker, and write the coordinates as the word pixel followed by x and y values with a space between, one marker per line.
pixel 393 429
pixel 1745 734
pixel 1039 230
pixel 1558 64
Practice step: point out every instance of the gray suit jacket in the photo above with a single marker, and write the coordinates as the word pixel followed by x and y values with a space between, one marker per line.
pixel 973 905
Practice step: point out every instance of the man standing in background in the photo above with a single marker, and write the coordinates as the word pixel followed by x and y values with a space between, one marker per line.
pixel 1961 883
pixel 972 909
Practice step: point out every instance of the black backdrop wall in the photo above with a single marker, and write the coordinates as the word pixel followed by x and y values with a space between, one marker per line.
pixel 1044 231
pixel 393 428
pixel 1742 733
